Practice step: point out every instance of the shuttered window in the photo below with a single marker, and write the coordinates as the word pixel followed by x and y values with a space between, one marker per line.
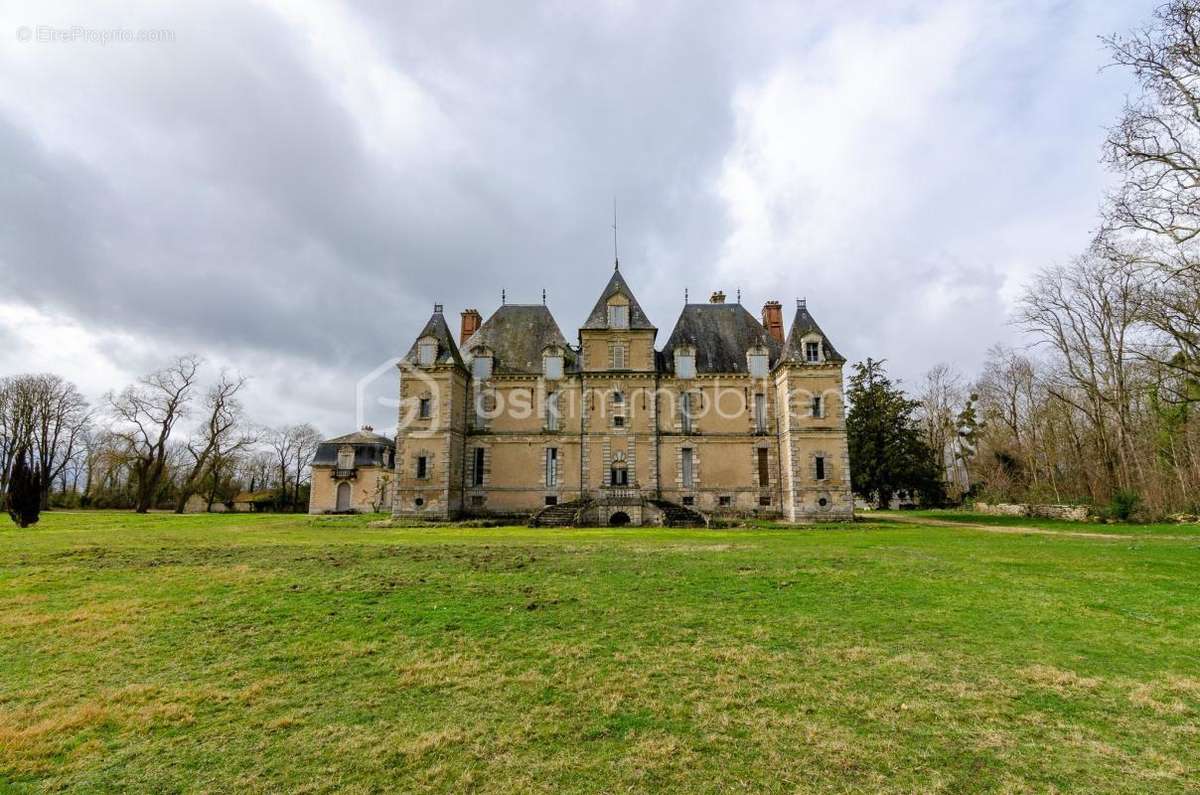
pixel 764 468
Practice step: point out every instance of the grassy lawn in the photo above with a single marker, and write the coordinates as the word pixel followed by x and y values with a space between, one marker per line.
pixel 265 653
pixel 1111 528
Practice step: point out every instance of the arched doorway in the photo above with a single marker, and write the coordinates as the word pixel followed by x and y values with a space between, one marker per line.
pixel 343 496
pixel 618 519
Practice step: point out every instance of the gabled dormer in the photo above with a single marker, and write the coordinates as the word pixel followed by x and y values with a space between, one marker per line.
pixel 617 335
pixel 806 343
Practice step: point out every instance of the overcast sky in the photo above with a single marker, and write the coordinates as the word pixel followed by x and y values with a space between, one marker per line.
pixel 288 188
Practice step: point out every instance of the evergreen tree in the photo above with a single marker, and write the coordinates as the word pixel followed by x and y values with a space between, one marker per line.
pixel 24 498
pixel 888 452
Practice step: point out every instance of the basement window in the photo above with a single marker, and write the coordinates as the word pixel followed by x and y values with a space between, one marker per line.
pixel 725 501
pixel 552 500
pixel 688 501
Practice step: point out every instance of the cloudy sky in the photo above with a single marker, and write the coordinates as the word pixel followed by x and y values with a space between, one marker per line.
pixel 287 188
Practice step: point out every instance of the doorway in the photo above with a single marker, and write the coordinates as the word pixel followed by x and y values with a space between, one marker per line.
pixel 343 497
pixel 618 519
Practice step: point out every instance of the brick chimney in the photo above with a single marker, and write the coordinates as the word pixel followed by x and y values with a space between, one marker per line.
pixel 717 297
pixel 772 319
pixel 471 321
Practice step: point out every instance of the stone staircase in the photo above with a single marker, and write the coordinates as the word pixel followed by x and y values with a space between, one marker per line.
pixel 561 515
pixel 675 515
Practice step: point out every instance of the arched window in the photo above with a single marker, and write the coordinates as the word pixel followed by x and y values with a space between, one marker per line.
pixel 618 472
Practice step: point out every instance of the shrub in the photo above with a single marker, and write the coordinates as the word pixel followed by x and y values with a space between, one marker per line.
pixel 1124 503
pixel 24 500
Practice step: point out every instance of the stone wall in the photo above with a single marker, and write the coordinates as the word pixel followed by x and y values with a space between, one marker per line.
pixel 1070 513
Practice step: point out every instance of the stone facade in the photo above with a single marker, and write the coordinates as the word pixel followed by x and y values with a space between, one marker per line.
pixel 730 418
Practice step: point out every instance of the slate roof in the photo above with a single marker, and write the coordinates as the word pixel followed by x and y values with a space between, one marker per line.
pixel 802 325
pixel 517 334
pixel 436 327
pixel 370 449
pixel 721 335
pixel 599 316
pixel 361 437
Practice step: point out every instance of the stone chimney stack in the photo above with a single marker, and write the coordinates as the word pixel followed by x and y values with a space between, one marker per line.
pixel 471 321
pixel 717 297
pixel 772 320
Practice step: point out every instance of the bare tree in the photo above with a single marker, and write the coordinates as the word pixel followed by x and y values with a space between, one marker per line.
pixel 145 415
pixel 293 447
pixel 220 435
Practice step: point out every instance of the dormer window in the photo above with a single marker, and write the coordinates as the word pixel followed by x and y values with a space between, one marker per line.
pixel 427 352
pixel 758 362
pixel 481 364
pixel 552 364
pixel 618 316
pixel 345 458
pixel 812 351
pixel 685 363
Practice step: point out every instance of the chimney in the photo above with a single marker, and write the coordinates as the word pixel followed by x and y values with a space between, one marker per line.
pixel 717 297
pixel 368 428
pixel 471 321
pixel 772 319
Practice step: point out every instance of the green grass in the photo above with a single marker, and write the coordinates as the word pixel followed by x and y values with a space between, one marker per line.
pixel 275 653
pixel 1110 528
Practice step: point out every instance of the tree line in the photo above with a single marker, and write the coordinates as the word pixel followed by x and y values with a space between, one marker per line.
pixel 165 439
pixel 1101 405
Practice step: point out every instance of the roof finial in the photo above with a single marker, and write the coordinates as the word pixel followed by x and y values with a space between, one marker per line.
pixel 437 309
pixel 739 291
pixel 685 299
pixel 616 259
pixel 503 298
pixel 543 296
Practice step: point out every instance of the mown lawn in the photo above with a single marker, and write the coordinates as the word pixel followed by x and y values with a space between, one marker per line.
pixel 260 653
pixel 1109 528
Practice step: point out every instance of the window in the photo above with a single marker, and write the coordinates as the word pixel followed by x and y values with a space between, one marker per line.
pixel 758 365
pixel 760 413
pixel 725 501
pixel 618 357
pixel 618 398
pixel 425 408
pixel 619 475
pixel 687 465
pixel 812 351
pixel 764 500
pixel 552 411
pixel 764 468
pixel 551 466
pixel 816 406
pixel 685 365
pixel 618 316
pixel 426 352
pixel 618 421
pixel 819 467
pixel 689 500
pixel 477 470
pixel 481 368
pixel 685 412
pixel 345 458
pixel 552 367
pixel 477 501
pixel 552 500
pixel 422 467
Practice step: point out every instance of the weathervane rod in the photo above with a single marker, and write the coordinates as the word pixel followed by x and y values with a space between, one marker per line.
pixel 616 259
